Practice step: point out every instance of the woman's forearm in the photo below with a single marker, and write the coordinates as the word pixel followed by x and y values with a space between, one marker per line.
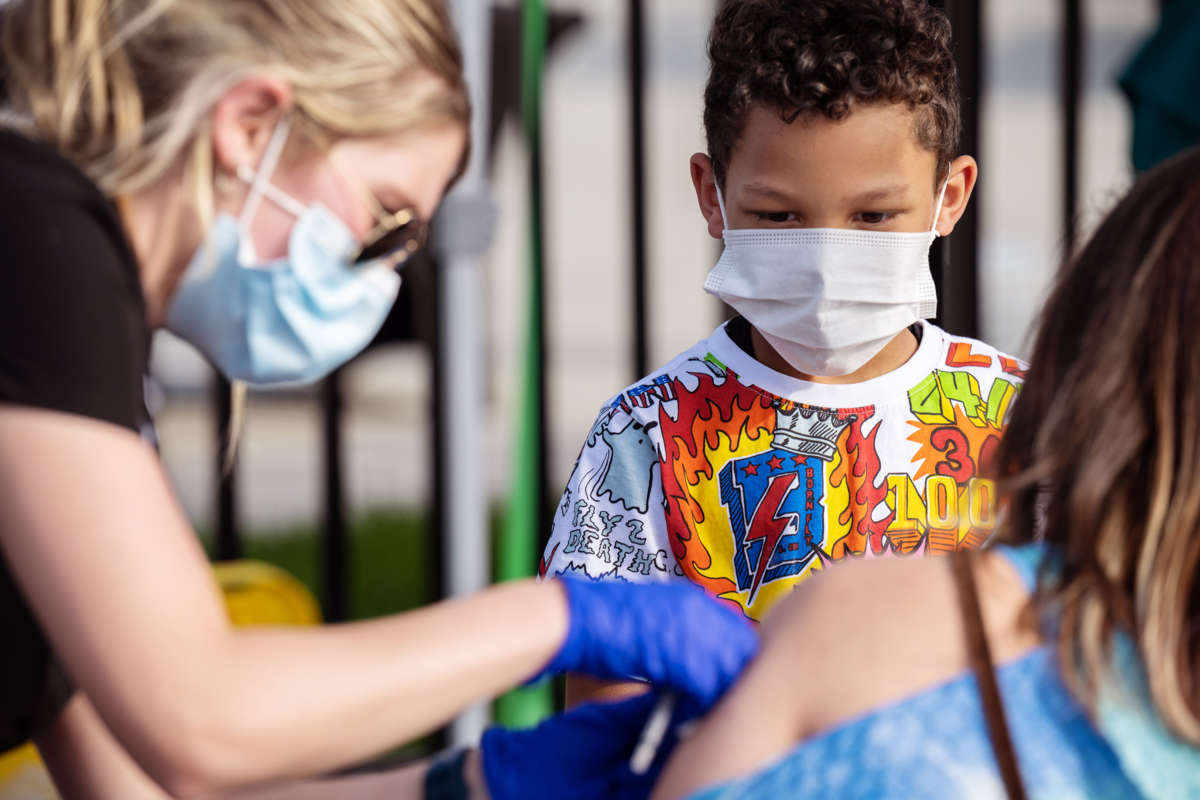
pixel 131 609
pixel 87 762
pixel 284 702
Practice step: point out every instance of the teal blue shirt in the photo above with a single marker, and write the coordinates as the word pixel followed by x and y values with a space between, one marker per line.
pixel 935 745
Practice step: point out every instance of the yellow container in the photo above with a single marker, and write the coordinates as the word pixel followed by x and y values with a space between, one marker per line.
pixel 262 594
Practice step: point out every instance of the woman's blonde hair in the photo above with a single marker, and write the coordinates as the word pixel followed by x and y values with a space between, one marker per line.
pixel 1103 451
pixel 124 88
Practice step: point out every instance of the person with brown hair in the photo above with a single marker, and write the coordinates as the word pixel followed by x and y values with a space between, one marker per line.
pixel 1082 635
pixel 828 418
pixel 248 174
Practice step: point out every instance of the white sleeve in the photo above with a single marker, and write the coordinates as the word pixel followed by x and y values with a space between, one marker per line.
pixel 610 523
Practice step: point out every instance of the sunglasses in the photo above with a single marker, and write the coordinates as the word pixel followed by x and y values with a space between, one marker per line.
pixel 396 239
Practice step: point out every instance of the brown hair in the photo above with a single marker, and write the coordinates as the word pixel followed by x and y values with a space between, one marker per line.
pixel 1103 450
pixel 825 57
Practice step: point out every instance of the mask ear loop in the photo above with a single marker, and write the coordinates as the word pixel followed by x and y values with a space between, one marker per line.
pixel 274 194
pixel 937 214
pixel 929 303
pixel 259 179
pixel 260 186
pixel 721 203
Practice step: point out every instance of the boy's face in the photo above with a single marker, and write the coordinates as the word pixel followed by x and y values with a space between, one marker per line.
pixel 866 172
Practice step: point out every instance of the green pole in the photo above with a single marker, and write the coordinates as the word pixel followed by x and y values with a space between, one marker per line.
pixel 522 535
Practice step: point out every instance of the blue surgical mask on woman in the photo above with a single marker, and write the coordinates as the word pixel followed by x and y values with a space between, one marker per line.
pixel 288 320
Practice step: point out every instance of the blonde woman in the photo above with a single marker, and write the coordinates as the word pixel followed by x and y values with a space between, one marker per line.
pixel 248 174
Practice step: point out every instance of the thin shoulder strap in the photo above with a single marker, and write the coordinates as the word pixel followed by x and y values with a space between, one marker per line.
pixel 980 656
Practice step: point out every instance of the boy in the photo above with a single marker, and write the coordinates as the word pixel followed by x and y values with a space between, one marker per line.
pixel 828 419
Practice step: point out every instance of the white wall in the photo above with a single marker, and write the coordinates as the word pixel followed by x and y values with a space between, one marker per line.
pixel 1021 174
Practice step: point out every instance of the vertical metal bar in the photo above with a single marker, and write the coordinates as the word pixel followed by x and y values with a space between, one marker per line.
pixel 334 561
pixel 461 335
pixel 427 285
pixel 535 29
pixel 960 275
pixel 228 543
pixel 431 290
pixel 528 519
pixel 637 183
pixel 1072 92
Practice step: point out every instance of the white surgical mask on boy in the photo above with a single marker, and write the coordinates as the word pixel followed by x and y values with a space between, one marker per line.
pixel 289 320
pixel 828 300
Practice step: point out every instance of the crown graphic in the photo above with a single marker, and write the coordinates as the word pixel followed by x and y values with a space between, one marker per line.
pixel 809 431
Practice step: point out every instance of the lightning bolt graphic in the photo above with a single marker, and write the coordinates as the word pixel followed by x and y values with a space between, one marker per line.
pixel 768 526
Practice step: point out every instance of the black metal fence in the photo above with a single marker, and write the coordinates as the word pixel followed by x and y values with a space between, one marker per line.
pixel 956 269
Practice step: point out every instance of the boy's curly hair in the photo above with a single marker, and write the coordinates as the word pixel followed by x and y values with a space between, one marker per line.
pixel 826 57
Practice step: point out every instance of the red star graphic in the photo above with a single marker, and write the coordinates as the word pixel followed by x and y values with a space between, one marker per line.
pixel 799 460
pixel 750 469
pixel 775 463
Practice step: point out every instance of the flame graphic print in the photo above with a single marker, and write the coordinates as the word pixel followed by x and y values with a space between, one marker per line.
pixel 714 421
pixel 857 489
pixel 722 421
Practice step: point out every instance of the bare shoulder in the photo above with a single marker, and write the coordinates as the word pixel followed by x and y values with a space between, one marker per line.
pixel 879 629
pixel 861 635
pixel 859 596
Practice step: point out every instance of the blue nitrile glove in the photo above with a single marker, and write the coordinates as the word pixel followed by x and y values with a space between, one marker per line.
pixel 580 755
pixel 670 634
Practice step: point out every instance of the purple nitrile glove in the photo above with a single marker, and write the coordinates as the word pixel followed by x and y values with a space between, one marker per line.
pixel 580 755
pixel 670 634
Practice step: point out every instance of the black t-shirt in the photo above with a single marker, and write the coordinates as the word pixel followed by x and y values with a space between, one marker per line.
pixel 73 338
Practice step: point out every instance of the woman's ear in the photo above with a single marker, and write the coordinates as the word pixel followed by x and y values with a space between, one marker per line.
pixel 244 119
pixel 705 181
pixel 960 185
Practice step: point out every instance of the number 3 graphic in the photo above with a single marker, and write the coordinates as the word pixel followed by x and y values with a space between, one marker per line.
pixel 958 463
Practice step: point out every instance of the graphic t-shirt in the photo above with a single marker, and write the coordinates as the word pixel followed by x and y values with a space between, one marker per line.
pixel 719 470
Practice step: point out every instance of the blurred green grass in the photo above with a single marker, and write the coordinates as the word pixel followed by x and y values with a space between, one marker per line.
pixel 389 558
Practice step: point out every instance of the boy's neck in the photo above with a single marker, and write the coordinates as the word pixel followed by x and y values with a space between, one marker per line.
pixel 894 355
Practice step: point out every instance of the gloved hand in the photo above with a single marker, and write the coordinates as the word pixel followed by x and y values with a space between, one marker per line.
pixel 580 755
pixel 671 634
